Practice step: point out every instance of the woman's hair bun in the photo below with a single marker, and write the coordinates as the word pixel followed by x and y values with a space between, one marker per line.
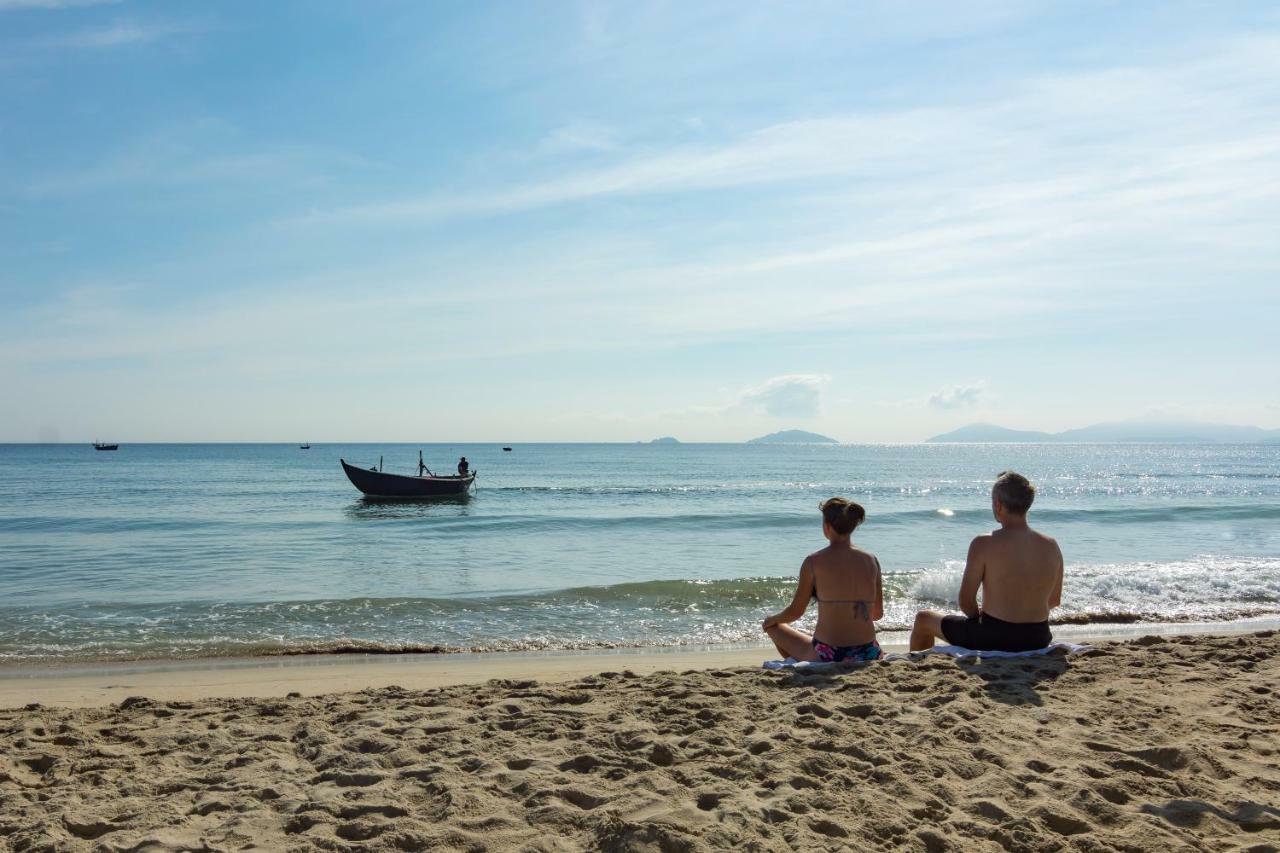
pixel 843 515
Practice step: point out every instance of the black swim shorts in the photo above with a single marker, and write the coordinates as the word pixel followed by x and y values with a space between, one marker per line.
pixel 988 633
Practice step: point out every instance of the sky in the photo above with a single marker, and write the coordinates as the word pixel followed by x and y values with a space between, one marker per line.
pixel 596 221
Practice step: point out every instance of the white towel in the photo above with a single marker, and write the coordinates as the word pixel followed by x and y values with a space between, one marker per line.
pixel 792 663
pixel 954 651
pixel 962 652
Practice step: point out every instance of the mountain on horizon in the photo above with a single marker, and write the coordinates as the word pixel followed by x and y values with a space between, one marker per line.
pixel 793 436
pixel 981 432
pixel 1136 431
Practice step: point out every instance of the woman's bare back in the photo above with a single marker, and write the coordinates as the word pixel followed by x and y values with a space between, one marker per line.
pixel 848 588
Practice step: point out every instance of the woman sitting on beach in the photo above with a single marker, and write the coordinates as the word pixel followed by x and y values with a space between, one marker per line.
pixel 846 582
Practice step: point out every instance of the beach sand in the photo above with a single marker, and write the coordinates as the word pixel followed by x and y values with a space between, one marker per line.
pixel 1152 744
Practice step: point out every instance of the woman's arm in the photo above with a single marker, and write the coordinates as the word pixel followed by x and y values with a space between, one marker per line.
pixel 877 609
pixel 798 605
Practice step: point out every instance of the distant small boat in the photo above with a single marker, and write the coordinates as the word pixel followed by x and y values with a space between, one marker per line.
pixel 377 484
pixel 304 447
pixel 101 445
pixel 507 449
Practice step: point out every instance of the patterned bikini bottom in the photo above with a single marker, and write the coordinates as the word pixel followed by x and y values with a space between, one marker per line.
pixel 835 654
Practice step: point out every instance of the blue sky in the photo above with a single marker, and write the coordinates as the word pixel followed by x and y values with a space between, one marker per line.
pixel 595 221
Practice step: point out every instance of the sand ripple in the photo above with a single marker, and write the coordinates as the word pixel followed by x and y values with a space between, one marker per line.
pixel 1157 744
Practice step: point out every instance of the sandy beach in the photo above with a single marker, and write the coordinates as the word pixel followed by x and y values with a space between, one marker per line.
pixel 1151 744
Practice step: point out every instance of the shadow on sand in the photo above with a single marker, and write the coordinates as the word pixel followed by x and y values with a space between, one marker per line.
pixel 1014 681
pixel 1010 681
pixel 1249 816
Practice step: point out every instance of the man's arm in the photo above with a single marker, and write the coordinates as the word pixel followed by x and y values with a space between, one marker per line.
pixel 1055 597
pixel 974 568
pixel 799 603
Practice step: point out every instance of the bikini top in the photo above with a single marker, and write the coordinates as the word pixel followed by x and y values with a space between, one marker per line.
pixel 861 607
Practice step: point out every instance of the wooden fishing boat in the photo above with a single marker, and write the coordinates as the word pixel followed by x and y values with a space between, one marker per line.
pixel 102 445
pixel 379 484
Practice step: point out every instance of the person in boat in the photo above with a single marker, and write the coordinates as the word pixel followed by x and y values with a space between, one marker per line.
pixel 1019 573
pixel 845 581
pixel 464 467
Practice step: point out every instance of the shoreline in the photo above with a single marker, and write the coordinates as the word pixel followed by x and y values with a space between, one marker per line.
pixel 93 684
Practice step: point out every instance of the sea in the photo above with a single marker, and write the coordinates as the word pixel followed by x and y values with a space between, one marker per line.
pixel 170 551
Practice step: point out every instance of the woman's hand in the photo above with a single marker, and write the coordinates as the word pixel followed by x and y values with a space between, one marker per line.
pixel 769 622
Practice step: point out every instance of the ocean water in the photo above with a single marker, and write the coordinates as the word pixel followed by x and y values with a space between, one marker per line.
pixel 170 551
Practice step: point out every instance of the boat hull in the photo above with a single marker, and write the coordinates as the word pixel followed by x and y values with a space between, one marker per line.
pixel 377 484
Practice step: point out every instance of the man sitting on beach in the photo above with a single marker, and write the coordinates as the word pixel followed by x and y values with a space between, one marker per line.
pixel 1020 574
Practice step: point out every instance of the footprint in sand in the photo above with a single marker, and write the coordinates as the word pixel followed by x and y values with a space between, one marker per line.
pixel 1063 824
pixel 580 763
pixel 1112 794
pixel 828 828
pixel 709 801
pixel 581 799
pixel 990 811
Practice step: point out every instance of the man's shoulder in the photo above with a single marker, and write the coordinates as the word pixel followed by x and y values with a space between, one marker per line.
pixel 1044 537
pixel 981 541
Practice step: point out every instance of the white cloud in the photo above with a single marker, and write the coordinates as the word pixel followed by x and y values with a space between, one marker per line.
pixel 1167 137
pixel 797 395
pixel 116 35
pixel 958 396
pixel 580 136
pixel 205 151
pixel 13 5
pixel 1099 192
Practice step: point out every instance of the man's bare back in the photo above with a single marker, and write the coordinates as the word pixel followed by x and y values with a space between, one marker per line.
pixel 1019 571
pixel 1019 574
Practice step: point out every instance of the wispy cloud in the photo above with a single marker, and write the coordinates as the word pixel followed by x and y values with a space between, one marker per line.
pixel 579 136
pixel 202 151
pixel 958 396
pixel 119 34
pixel 14 5
pixel 875 236
pixel 1132 137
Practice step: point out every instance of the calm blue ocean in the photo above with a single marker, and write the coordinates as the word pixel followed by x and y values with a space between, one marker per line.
pixel 160 551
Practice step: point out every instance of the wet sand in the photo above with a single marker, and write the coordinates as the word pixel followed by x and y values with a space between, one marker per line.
pixel 102 684
pixel 1152 744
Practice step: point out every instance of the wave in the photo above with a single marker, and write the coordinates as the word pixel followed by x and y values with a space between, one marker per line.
pixel 669 612
pixel 794 520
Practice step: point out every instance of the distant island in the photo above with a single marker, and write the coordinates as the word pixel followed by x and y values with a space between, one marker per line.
pixel 793 436
pixel 666 439
pixel 1138 431
pixel 990 433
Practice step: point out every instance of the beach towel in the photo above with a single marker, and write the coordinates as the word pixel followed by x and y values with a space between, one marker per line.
pixel 962 652
pixel 953 651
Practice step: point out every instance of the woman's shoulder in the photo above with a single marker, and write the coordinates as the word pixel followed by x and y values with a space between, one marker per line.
pixel 865 557
pixel 821 555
